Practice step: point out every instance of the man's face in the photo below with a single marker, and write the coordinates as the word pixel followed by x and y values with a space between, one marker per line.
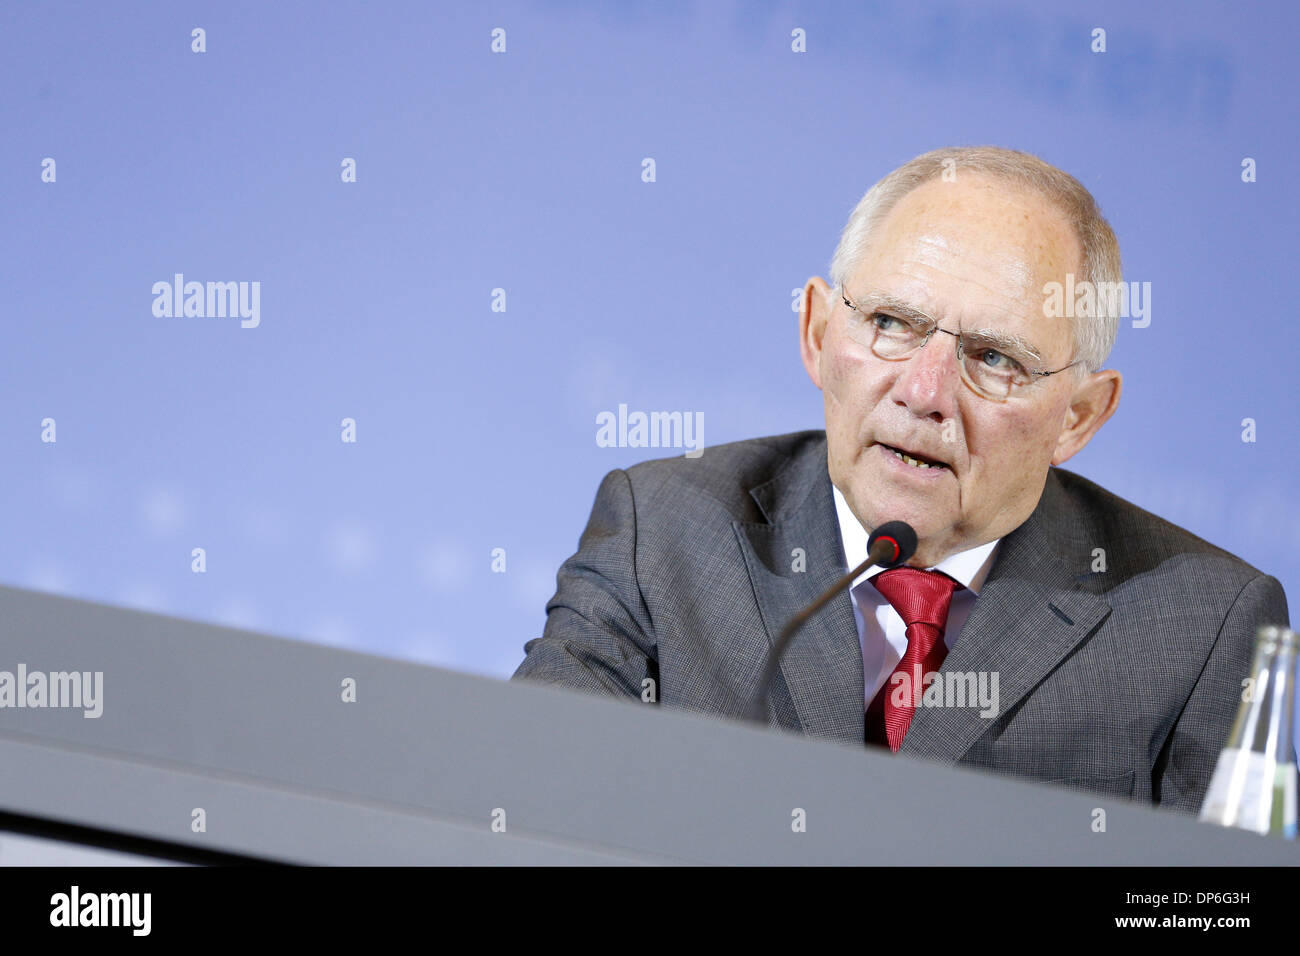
pixel 974 255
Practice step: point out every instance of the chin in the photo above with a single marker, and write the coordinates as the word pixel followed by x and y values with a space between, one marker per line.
pixel 926 532
pixel 920 515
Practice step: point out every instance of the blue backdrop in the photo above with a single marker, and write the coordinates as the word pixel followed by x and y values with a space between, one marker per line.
pixel 479 171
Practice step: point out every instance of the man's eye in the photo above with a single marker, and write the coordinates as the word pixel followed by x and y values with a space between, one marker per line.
pixel 998 362
pixel 887 323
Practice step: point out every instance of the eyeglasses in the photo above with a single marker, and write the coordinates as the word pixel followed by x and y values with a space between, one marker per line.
pixel 992 363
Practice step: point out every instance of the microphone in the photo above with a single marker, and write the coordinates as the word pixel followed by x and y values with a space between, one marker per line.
pixel 890 545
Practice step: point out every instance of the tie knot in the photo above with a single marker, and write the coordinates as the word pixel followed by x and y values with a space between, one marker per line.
pixel 918 596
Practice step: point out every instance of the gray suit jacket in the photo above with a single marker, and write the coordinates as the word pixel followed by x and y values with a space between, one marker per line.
pixel 1124 681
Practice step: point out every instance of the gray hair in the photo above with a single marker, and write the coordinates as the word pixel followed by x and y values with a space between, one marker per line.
pixel 1093 339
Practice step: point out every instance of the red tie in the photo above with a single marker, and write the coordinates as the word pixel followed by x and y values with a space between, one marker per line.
pixel 922 599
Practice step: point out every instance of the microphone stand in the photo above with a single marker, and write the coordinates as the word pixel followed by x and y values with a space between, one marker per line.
pixel 884 551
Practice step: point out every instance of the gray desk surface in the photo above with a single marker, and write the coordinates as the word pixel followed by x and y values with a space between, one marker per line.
pixel 253 730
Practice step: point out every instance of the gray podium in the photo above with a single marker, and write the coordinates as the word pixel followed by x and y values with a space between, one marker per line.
pixel 251 735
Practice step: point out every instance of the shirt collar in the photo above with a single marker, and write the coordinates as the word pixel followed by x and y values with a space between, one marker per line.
pixel 969 567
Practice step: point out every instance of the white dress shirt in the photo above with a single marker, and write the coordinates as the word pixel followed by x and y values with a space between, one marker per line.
pixel 881 630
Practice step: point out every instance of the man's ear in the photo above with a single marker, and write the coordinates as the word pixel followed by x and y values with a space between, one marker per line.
pixel 814 314
pixel 1094 400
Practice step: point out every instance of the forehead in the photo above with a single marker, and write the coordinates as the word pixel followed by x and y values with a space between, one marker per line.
pixel 976 252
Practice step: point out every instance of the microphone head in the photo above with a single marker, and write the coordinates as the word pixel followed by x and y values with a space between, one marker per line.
pixel 897 542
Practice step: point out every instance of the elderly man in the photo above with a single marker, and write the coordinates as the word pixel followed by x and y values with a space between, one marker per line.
pixel 1105 646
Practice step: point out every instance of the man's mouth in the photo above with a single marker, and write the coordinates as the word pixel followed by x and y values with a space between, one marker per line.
pixel 915 459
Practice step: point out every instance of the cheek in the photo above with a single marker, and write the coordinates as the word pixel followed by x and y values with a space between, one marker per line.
pixel 847 377
pixel 847 390
pixel 1014 445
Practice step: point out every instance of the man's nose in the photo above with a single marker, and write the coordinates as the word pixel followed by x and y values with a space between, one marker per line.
pixel 928 381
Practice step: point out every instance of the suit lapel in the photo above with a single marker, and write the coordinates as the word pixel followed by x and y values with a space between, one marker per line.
pixel 1033 610
pixel 823 665
pixel 1035 607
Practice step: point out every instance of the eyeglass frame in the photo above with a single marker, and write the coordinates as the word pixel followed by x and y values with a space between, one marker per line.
pixel 934 326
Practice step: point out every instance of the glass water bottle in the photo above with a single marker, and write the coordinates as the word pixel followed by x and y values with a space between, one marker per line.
pixel 1254 782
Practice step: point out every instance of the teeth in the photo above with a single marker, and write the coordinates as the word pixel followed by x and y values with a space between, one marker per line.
pixel 912 461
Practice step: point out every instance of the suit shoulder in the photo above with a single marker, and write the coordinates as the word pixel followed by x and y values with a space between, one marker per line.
pixel 1140 540
pixel 722 474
